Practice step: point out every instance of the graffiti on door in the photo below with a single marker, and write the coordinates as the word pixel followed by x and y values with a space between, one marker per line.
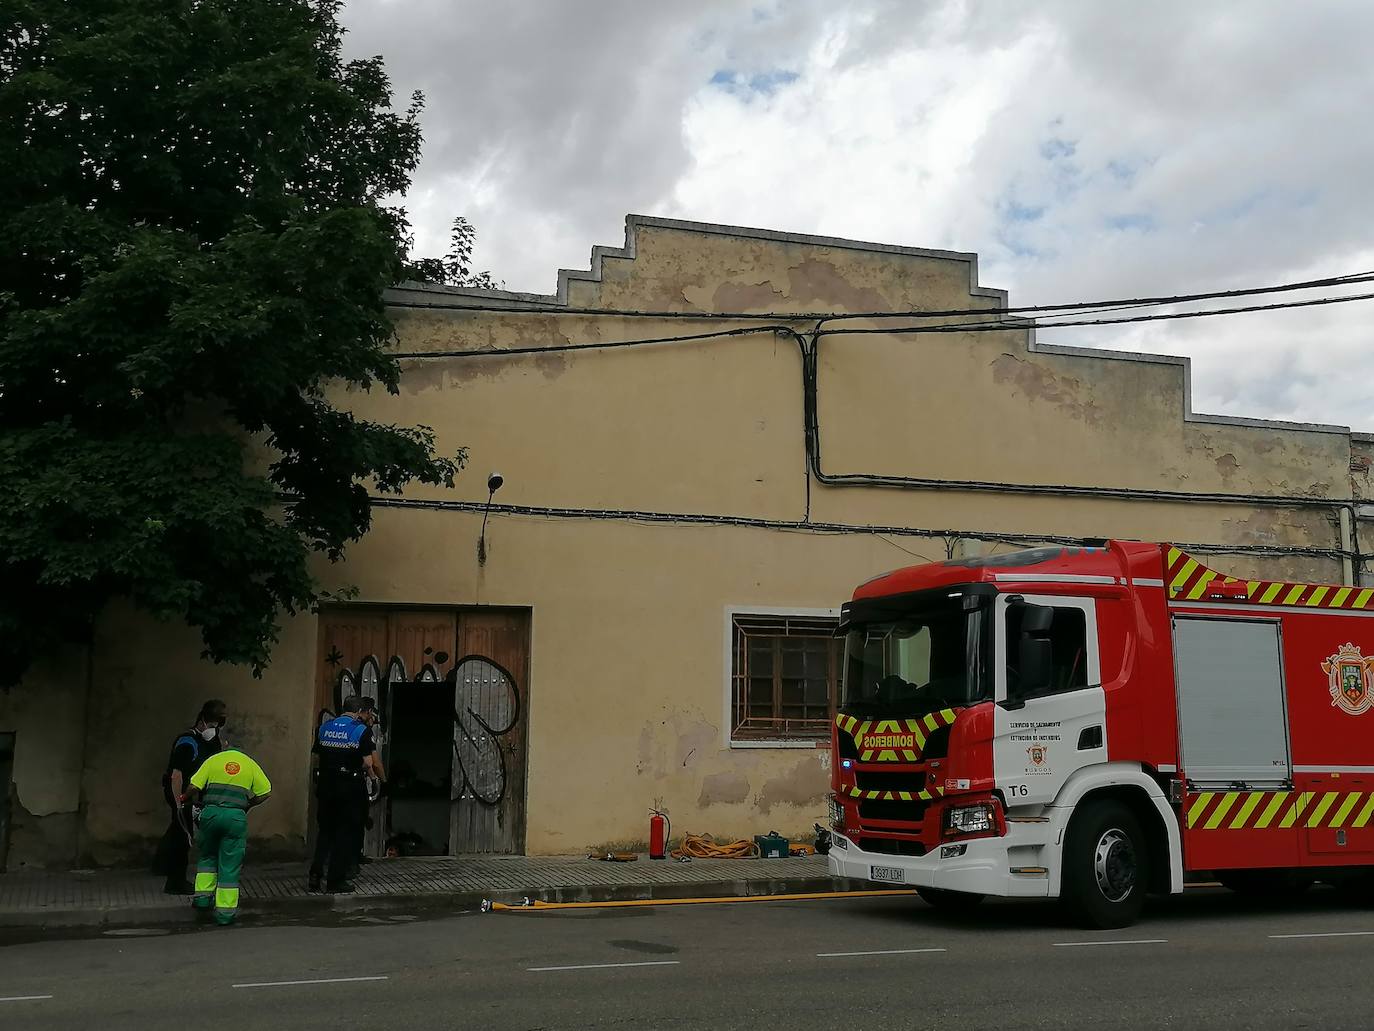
pixel 486 706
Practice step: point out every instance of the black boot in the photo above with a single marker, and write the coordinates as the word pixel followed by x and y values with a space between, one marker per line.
pixel 314 885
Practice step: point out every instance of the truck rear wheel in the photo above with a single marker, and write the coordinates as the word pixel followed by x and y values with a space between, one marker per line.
pixel 1106 866
pixel 949 901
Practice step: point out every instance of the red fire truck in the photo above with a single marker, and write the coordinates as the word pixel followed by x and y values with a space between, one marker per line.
pixel 1095 723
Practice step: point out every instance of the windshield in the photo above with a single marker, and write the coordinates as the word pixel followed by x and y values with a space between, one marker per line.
pixel 928 654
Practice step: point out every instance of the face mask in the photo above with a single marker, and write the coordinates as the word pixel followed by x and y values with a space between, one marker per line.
pixel 208 734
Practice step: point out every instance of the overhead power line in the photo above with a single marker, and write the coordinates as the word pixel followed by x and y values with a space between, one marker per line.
pixel 538 307
pixel 1023 324
pixel 1000 326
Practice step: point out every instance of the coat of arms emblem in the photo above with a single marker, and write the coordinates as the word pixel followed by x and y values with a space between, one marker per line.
pixel 1351 678
pixel 1037 754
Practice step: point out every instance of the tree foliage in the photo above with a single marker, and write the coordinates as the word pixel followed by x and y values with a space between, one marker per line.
pixel 194 243
pixel 455 267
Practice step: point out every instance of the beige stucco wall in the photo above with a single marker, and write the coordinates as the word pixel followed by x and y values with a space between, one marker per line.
pixel 628 683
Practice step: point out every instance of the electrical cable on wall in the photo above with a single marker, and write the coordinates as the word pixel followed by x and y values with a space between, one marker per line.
pixel 1016 540
pixel 808 346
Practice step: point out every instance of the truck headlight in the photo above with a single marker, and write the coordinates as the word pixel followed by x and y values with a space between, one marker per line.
pixel 836 814
pixel 970 819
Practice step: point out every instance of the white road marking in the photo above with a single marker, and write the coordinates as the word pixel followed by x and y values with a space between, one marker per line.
pixel 608 966
pixel 24 998
pixel 1327 934
pixel 877 952
pixel 318 980
pixel 1136 941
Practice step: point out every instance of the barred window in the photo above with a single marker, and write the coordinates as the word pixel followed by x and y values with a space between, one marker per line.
pixel 785 677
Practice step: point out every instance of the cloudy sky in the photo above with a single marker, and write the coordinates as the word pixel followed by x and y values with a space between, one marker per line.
pixel 1084 149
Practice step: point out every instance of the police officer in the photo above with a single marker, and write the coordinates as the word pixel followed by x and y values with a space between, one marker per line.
pixel 347 752
pixel 227 785
pixel 189 751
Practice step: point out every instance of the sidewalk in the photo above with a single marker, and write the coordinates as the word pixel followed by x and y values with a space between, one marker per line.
pixel 115 898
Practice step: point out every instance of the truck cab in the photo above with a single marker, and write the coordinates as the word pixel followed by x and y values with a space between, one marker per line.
pixel 972 718
pixel 1091 723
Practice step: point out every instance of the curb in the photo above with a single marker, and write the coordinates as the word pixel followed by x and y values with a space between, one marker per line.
pixel 175 913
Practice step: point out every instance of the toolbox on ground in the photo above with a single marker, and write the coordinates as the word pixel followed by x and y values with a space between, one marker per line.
pixel 771 845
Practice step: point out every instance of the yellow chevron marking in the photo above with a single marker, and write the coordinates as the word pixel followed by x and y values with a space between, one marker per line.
pixel 1200 587
pixel 1181 577
pixel 905 796
pixel 1292 597
pixel 887 755
pixel 1199 807
pixel 1317 596
pixel 1251 587
pixel 1295 810
pixel 1314 818
pixel 1174 555
pixel 1344 811
pixel 1270 593
pixel 1362 599
pixel 1271 809
pixel 932 724
pixel 1341 595
pixel 1219 813
pixel 948 715
pixel 1365 813
pixel 1246 810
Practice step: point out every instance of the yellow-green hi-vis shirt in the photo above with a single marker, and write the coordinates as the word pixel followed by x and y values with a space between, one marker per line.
pixel 229 779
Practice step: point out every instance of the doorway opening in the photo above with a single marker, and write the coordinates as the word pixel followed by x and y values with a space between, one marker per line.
pixel 451 689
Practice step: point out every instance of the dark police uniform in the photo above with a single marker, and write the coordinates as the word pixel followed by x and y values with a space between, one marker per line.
pixel 188 754
pixel 341 792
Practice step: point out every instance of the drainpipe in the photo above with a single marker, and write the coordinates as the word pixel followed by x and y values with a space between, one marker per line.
pixel 1349 570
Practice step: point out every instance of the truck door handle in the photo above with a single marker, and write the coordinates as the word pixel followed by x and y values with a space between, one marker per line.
pixel 1090 738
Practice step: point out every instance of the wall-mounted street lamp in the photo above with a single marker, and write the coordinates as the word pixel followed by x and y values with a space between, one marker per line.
pixel 494 482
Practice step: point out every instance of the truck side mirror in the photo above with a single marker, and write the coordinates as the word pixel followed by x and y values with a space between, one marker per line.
pixel 1035 657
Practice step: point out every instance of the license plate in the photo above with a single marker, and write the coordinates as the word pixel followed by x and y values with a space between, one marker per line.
pixel 890 874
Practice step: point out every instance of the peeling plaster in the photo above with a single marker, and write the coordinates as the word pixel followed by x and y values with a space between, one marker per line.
pixel 819 284
pixel 1037 383
pixel 728 788
pixel 804 784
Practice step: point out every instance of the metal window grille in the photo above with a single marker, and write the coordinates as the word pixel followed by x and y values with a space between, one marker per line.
pixel 785 677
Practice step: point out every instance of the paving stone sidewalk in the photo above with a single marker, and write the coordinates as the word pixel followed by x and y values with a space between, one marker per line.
pixel 105 897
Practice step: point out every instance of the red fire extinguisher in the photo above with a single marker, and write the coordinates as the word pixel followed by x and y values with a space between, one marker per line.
pixel 659 829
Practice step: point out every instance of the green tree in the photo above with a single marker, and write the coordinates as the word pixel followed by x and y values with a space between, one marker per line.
pixel 194 242
pixel 455 267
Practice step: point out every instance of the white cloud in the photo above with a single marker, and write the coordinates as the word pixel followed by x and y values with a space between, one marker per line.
pixel 1084 150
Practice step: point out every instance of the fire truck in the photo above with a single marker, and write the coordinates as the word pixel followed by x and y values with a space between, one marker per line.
pixel 1098 723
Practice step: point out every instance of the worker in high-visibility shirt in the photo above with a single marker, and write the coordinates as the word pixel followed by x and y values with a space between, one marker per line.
pixel 227 785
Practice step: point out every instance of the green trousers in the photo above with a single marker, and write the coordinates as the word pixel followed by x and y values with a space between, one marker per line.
pixel 223 837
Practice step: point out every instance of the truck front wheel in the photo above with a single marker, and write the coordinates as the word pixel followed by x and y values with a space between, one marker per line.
pixel 947 901
pixel 1106 866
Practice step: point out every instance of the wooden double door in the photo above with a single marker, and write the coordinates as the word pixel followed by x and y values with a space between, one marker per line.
pixel 452 690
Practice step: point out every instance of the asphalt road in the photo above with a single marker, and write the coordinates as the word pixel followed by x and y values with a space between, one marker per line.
pixel 1208 959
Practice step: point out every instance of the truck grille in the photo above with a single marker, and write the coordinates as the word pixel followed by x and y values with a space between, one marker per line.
pixel 893 847
pixel 882 809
